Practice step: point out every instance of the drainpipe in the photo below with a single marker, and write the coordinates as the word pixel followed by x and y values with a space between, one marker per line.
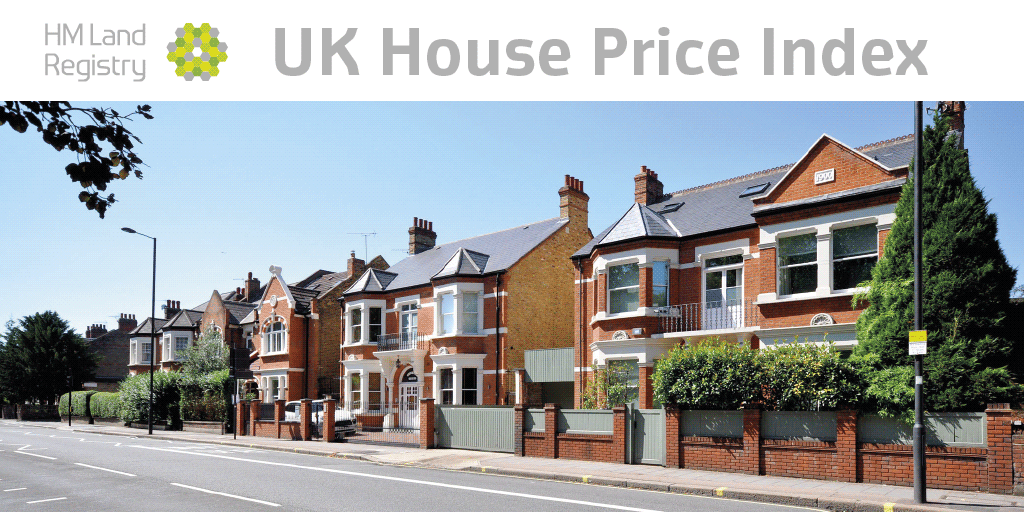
pixel 497 334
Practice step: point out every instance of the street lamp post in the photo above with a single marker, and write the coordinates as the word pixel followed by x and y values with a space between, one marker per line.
pixel 920 481
pixel 152 329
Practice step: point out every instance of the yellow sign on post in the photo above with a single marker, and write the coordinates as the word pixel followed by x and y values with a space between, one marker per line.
pixel 918 342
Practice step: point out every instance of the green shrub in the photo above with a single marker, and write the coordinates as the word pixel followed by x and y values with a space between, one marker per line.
pixel 134 398
pixel 204 397
pixel 79 403
pixel 711 374
pixel 714 374
pixel 104 405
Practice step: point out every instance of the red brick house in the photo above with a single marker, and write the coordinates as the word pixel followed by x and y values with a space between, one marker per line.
pixel 763 258
pixel 451 321
pixel 296 328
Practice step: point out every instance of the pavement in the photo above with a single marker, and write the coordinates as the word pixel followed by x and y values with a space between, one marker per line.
pixel 837 496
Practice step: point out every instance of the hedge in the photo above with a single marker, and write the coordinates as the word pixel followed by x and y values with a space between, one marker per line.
pixel 205 398
pixel 104 405
pixel 79 403
pixel 134 398
pixel 795 377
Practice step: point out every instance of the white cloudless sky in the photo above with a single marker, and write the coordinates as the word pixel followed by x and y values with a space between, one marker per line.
pixel 233 188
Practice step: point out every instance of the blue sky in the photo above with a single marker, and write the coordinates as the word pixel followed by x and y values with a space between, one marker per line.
pixel 237 187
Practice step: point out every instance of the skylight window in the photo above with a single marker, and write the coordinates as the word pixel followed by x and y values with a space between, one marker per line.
pixel 754 189
pixel 671 207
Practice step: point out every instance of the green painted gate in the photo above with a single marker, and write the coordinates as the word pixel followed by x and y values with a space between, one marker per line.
pixel 475 427
pixel 647 428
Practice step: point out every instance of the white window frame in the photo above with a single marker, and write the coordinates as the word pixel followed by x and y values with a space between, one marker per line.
pixel 610 289
pixel 882 216
pixel 458 292
pixel 133 352
pixel 267 338
pixel 364 321
pixel 642 256
pixel 456 363
pixel 179 353
pixel 834 260
pixel 143 348
pixel 704 269
pixel 667 286
pixel 409 309
pixel 370 325
pixel 779 267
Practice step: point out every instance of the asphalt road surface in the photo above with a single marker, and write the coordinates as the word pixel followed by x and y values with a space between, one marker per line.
pixel 44 469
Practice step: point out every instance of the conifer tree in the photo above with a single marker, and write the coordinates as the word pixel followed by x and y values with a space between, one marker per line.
pixel 967 284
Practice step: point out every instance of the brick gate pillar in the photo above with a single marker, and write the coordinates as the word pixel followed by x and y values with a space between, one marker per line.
pixel 241 411
pixel 517 432
pixel 620 415
pixel 306 419
pixel 1000 449
pixel 327 435
pixel 278 416
pixel 644 373
pixel 551 430
pixel 427 439
pixel 752 439
pixel 254 414
pixel 846 446
pixel 673 417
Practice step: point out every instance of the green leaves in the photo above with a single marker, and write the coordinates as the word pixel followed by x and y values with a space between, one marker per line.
pixel 714 375
pixel 38 353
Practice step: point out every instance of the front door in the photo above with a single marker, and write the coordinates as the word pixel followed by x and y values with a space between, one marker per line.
pixel 409 405
pixel 723 293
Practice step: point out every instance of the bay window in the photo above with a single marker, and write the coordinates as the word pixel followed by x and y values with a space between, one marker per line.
pixel 798 264
pixel 447 313
pixel 470 314
pixel 469 386
pixel 376 324
pixel 355 319
pixel 356 385
pixel 373 400
pixel 854 254
pixel 623 288
pixel 146 353
pixel 659 288
pixel 447 386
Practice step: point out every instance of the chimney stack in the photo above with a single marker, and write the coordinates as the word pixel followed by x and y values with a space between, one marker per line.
pixel 252 287
pixel 421 236
pixel 954 111
pixel 572 202
pixel 126 322
pixel 648 189
pixel 95 331
pixel 171 308
pixel 355 265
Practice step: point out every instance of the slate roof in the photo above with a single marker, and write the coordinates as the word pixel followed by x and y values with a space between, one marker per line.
pixel 464 263
pixel 718 206
pixel 184 319
pixel 238 310
pixel 144 328
pixel 312 278
pixel 326 282
pixel 302 298
pixel 502 249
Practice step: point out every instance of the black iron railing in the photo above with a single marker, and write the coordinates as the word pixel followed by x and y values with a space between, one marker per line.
pixel 710 316
pixel 408 340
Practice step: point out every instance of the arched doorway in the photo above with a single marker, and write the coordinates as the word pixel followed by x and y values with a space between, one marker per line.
pixel 409 400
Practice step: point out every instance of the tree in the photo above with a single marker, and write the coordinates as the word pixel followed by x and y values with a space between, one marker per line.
pixel 207 355
pixel 95 165
pixel 39 352
pixel 612 386
pixel 967 283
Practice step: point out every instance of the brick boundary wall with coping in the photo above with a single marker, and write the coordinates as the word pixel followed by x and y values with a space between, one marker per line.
pixel 998 468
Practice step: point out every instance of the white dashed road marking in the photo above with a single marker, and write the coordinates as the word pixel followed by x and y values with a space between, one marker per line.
pixel 44 501
pixel 227 495
pixel 103 469
pixel 37 455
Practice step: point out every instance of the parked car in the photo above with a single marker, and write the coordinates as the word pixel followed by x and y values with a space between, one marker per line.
pixel 344 422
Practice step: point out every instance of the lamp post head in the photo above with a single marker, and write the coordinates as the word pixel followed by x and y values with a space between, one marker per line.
pixel 128 230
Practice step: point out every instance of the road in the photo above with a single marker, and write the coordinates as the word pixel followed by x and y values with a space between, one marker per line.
pixel 44 469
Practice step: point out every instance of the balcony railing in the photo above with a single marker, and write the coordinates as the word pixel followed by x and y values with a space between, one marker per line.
pixel 408 340
pixel 710 316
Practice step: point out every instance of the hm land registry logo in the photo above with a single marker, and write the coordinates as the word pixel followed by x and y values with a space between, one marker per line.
pixel 197 51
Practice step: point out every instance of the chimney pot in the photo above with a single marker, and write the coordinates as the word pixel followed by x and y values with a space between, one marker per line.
pixel 430 226
pixel 648 189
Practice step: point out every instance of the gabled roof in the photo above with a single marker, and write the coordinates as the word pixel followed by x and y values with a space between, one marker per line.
pixel 464 263
pixel 372 280
pixel 145 329
pixel 719 206
pixel 502 248
pixel 184 319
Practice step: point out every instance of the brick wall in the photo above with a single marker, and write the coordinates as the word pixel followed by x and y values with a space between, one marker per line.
pixel 552 444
